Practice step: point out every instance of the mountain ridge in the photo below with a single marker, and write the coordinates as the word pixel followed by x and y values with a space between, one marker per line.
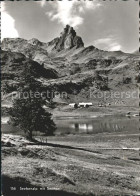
pixel 76 64
pixel 68 34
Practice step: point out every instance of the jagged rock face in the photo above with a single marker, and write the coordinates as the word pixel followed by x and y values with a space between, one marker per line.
pixel 35 41
pixel 68 39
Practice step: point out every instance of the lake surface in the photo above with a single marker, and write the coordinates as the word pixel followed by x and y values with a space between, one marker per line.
pixel 89 125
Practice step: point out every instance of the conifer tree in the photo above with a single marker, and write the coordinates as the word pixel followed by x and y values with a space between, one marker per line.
pixel 28 112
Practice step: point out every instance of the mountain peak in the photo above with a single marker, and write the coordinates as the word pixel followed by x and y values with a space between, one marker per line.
pixel 68 30
pixel 68 39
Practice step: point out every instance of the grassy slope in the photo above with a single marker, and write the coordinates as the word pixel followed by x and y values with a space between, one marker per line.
pixel 89 170
pixel 92 111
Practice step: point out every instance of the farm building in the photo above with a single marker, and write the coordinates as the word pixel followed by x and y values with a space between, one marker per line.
pixel 74 105
pixel 84 104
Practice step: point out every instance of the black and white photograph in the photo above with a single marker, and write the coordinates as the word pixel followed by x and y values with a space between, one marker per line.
pixel 70 98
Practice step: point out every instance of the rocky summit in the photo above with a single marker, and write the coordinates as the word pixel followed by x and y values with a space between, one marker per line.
pixel 68 39
pixel 65 64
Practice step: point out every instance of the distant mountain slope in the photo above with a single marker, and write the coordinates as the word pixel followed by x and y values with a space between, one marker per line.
pixel 136 53
pixel 13 64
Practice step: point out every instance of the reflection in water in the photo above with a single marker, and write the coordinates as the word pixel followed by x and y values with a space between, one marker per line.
pixel 83 126
pixel 89 126
pixel 104 124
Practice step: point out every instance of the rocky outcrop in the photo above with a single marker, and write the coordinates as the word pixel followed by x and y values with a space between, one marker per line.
pixel 35 41
pixel 68 39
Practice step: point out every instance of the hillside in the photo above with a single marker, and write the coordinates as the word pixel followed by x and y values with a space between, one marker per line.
pixel 65 65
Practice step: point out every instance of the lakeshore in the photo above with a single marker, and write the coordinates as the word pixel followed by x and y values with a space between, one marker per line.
pixel 99 164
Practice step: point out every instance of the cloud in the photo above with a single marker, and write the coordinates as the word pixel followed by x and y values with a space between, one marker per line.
pixel 70 12
pixel 116 47
pixel 42 3
pixel 7 24
pixel 65 14
pixel 110 44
